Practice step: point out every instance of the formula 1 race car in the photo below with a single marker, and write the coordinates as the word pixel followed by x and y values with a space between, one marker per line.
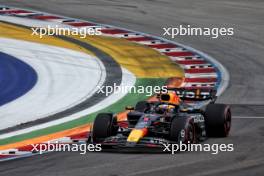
pixel 179 115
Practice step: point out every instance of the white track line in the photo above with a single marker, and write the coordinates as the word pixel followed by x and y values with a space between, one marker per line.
pixel 249 117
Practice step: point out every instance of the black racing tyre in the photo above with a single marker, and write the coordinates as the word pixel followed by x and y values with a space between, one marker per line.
pixel 182 129
pixel 217 120
pixel 142 106
pixel 104 126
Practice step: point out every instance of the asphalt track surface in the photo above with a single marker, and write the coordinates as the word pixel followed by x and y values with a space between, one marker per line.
pixel 241 54
pixel 16 78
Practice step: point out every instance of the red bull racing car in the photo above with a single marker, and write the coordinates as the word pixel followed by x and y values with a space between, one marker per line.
pixel 179 115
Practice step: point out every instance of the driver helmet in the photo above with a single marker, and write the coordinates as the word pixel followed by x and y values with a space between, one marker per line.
pixel 165 108
pixel 170 97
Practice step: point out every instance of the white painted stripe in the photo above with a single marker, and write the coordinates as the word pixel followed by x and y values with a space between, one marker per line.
pixel 200 75
pixel 170 49
pixel 61 140
pixel 31 22
pixel 196 66
pixel 7 151
pixel 201 83
pixel 198 85
pixel 4 8
pixel 127 35
pixel 23 152
pixel 149 42
pixel 25 14
pixel 7 9
pixel 174 58
pixel 92 27
pixel 57 20
pixel 245 117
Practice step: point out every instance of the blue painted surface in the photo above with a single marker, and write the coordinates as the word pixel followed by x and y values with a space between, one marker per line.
pixel 16 78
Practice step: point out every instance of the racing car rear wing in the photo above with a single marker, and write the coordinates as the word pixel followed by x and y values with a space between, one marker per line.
pixel 195 94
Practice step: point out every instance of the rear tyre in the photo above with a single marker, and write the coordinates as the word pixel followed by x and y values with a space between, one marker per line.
pixel 142 106
pixel 217 120
pixel 182 130
pixel 105 125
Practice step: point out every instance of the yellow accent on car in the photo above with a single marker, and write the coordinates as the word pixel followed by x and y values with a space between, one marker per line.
pixel 135 135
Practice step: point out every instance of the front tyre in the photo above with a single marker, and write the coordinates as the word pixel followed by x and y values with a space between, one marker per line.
pixel 105 125
pixel 182 130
